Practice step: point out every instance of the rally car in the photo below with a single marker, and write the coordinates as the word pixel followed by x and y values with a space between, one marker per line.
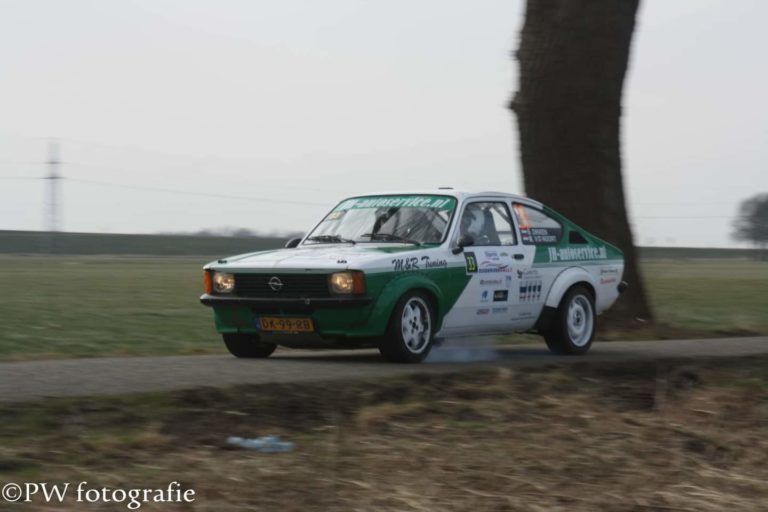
pixel 398 270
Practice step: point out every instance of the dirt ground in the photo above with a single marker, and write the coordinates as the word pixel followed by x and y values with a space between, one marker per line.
pixel 674 436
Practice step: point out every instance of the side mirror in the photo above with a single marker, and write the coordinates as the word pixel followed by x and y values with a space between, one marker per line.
pixel 464 241
pixel 293 242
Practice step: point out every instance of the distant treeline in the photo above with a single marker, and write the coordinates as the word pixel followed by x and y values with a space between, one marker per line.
pixel 40 242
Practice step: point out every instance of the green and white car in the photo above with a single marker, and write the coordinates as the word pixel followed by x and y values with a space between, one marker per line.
pixel 396 271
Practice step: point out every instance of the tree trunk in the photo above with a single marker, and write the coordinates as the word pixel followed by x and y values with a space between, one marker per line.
pixel 573 56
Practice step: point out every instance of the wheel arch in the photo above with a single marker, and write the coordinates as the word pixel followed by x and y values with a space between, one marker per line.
pixel 566 280
pixel 396 288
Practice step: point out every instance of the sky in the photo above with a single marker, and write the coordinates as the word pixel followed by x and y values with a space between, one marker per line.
pixel 179 115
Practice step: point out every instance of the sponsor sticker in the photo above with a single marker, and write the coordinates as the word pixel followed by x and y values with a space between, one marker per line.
pixel 499 310
pixel 404 264
pixel 500 295
pixel 484 296
pixel 577 253
pixel 483 311
pixel 543 236
pixel 530 291
pixel 416 263
pixel 336 215
pixel 487 266
pixel 528 274
pixel 525 235
pixel 437 202
pixel 490 282
pixel 428 262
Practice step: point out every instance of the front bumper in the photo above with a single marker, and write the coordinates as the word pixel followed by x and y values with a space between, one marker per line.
pixel 333 317
pixel 272 304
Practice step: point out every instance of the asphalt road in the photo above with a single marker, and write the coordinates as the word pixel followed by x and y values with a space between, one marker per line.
pixel 32 380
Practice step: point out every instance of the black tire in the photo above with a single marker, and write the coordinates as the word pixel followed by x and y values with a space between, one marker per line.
pixel 247 345
pixel 410 334
pixel 573 328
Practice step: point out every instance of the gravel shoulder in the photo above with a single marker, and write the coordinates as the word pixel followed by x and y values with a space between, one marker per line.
pixel 641 435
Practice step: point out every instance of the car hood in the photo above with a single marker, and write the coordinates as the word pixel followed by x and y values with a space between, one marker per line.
pixel 322 256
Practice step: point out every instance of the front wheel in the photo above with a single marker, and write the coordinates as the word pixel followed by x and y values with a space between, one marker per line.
pixel 411 330
pixel 573 329
pixel 247 345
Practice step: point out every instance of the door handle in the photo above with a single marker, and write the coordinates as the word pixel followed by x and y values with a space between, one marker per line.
pixel 519 256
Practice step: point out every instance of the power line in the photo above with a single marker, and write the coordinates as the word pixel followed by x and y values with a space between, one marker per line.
pixel 169 191
pixel 289 201
pixel 306 203
pixel 197 194
pixel 132 171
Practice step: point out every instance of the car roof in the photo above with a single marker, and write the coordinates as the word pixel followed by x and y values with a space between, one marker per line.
pixel 458 194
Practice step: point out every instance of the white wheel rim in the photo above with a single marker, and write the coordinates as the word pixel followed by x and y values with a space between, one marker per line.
pixel 416 325
pixel 580 320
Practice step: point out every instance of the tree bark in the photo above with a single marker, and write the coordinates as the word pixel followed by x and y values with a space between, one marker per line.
pixel 573 57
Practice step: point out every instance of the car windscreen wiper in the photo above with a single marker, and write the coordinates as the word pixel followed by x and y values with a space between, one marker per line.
pixel 389 237
pixel 332 239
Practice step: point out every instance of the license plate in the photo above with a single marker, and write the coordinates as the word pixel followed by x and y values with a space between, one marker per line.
pixel 277 324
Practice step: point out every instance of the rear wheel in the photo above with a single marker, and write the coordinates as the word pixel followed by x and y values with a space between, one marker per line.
pixel 247 345
pixel 411 330
pixel 573 328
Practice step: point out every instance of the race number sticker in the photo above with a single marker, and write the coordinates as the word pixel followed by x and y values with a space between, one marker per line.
pixel 469 257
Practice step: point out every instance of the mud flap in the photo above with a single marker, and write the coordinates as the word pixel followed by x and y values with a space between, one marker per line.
pixel 545 320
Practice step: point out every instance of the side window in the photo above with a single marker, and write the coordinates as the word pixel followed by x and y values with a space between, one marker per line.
pixel 488 223
pixel 536 227
pixel 574 237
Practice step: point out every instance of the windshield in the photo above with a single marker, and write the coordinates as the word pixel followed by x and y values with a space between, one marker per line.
pixel 416 219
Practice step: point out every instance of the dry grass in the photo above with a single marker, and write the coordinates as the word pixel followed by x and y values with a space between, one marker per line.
pixel 632 437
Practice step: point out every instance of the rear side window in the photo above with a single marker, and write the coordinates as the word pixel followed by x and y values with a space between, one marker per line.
pixel 536 227
pixel 574 237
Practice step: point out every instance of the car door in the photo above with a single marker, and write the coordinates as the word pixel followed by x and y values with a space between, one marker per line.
pixel 538 232
pixel 493 264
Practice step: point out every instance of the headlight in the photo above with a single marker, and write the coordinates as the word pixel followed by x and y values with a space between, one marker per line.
pixel 346 283
pixel 223 282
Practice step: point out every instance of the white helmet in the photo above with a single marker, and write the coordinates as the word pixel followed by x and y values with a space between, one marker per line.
pixel 473 221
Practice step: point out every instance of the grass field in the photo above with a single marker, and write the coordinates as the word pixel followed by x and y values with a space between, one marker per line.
pixel 85 306
pixel 636 437
pixel 713 297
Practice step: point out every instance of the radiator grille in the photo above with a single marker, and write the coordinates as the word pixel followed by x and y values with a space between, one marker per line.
pixel 294 286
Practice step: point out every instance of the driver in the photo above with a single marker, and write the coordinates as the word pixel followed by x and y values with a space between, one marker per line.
pixel 473 222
